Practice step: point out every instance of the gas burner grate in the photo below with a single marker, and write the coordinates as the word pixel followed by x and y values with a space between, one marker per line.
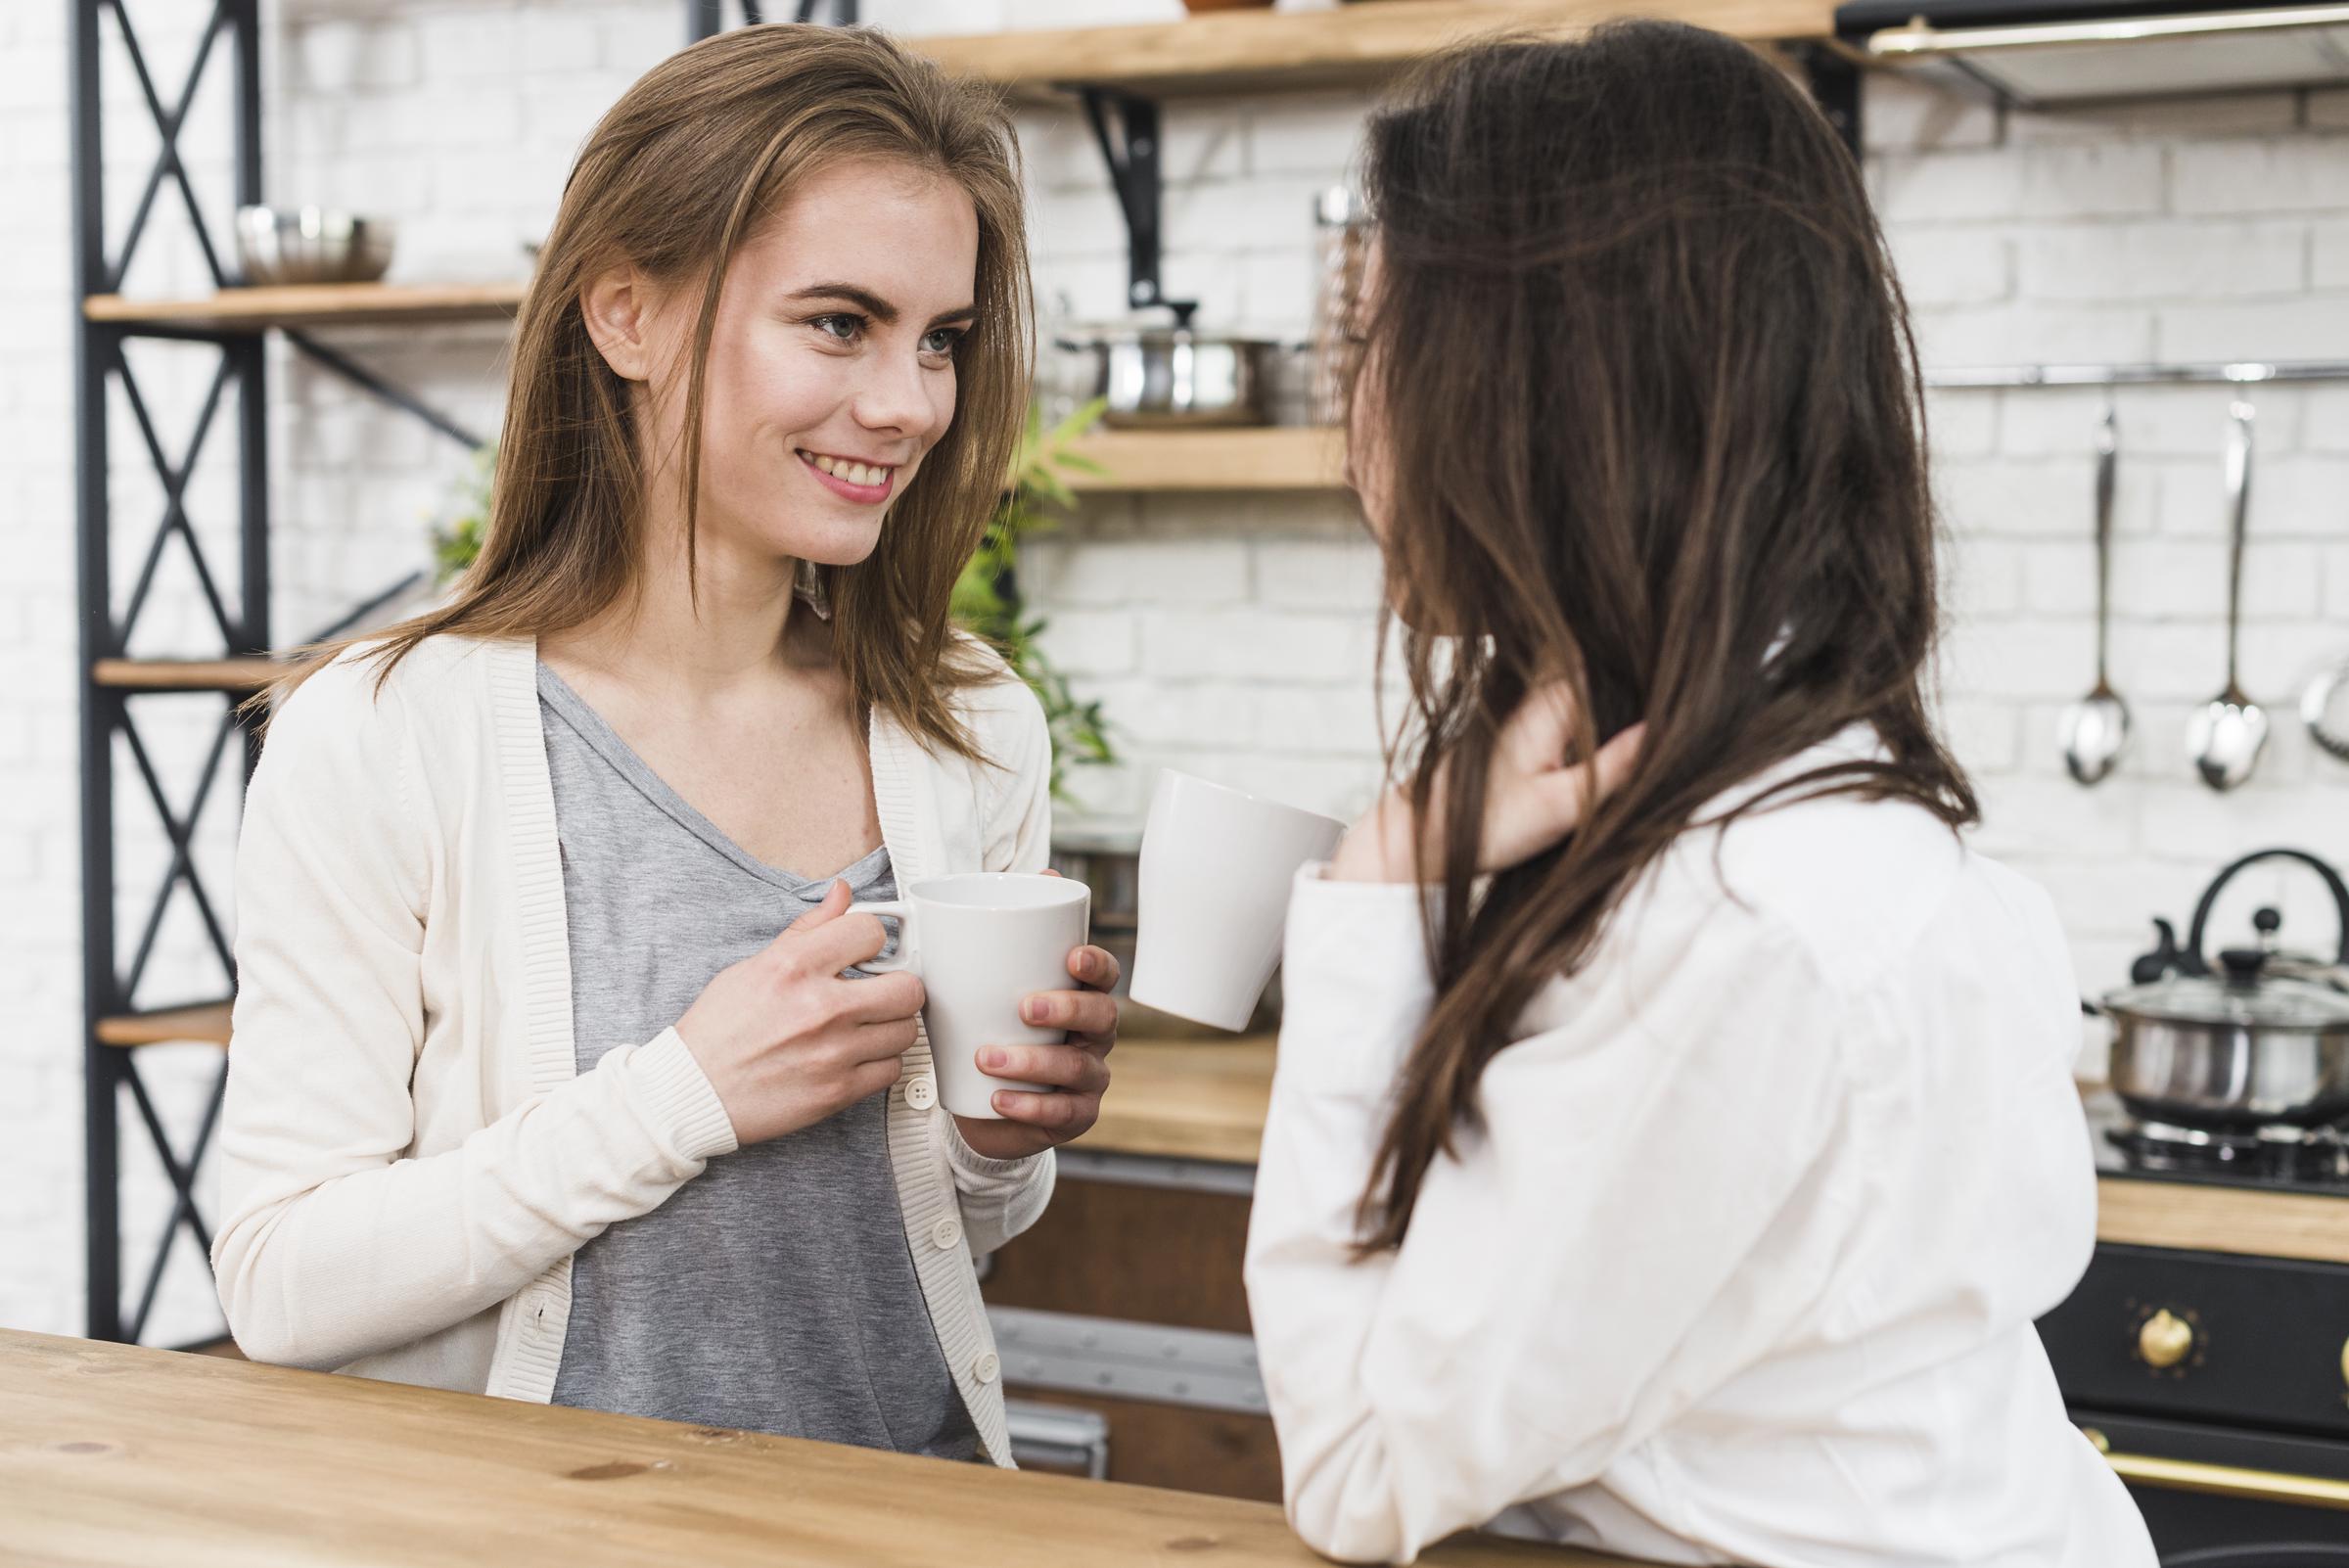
pixel 2280 1156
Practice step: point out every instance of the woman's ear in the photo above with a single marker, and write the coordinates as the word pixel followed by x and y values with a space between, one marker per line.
pixel 617 306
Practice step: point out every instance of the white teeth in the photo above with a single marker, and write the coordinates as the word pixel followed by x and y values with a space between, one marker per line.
pixel 852 472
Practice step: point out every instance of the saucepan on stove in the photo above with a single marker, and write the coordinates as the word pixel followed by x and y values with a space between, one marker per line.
pixel 2260 1041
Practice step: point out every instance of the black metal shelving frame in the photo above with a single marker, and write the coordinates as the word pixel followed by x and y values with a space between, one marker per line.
pixel 100 361
pixel 231 33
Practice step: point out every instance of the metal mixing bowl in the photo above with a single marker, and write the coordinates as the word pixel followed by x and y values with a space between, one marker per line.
pixel 311 245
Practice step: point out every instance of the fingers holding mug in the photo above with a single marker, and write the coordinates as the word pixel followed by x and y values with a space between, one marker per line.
pixel 1090 1015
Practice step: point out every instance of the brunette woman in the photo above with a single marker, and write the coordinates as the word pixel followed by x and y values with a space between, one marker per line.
pixel 1674 1135
pixel 547 1081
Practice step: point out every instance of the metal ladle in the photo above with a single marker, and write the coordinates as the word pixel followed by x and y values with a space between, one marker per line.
pixel 2095 728
pixel 2229 732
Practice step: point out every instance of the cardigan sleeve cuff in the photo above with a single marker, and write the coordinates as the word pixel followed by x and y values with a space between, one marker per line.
pixel 975 1173
pixel 679 1100
pixel 1355 984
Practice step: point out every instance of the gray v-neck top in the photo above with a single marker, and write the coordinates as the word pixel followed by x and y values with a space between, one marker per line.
pixel 774 1291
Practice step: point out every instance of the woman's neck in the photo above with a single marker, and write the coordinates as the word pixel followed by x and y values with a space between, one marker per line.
pixel 691 637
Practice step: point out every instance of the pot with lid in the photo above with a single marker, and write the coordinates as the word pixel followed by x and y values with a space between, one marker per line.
pixel 1159 372
pixel 2263 1041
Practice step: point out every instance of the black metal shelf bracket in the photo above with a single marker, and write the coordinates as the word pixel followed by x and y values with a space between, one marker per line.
pixel 1125 127
pixel 358 375
pixel 1833 77
pixel 705 18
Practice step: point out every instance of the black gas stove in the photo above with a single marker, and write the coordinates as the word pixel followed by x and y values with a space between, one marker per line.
pixel 2218 1383
pixel 2286 1159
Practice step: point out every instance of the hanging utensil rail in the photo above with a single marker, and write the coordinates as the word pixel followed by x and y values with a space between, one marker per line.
pixel 2249 372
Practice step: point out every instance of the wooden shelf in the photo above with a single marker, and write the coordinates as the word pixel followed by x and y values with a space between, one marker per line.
pixel 207 1024
pixel 318 305
pixel 186 675
pixel 1352 46
pixel 1276 458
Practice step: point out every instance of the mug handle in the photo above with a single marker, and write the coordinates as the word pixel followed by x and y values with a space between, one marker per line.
pixel 901 911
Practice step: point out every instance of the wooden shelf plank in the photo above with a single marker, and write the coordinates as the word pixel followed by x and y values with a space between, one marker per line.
pixel 186 675
pixel 207 1024
pixel 318 305
pixel 1273 458
pixel 1356 45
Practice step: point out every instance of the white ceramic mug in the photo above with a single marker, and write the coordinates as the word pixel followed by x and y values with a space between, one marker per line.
pixel 1216 865
pixel 982 943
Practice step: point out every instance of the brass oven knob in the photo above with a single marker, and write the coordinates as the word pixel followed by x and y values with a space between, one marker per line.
pixel 2165 1339
pixel 2345 1360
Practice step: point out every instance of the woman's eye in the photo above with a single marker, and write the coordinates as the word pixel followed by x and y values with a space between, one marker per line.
pixel 941 340
pixel 845 328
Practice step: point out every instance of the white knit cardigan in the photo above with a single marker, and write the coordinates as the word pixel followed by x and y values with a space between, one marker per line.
pixel 408 1158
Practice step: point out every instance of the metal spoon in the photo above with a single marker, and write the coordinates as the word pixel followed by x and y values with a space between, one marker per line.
pixel 2229 732
pixel 2095 728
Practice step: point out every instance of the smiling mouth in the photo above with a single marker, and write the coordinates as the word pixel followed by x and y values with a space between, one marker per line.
pixel 860 474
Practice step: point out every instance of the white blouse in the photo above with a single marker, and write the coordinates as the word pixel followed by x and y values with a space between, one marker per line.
pixel 1743 1266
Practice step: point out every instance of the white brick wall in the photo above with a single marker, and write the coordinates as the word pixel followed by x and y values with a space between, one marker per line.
pixel 1226 634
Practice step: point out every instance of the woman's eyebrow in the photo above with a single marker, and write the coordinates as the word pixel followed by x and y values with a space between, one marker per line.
pixel 872 304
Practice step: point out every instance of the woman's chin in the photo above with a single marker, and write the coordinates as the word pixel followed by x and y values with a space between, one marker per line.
pixel 844 547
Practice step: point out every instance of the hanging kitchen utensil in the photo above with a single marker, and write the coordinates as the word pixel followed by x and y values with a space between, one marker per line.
pixel 2095 728
pixel 2325 710
pixel 2256 1046
pixel 2226 734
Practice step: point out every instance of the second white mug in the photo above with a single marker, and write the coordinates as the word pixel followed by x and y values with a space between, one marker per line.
pixel 1215 869
pixel 983 943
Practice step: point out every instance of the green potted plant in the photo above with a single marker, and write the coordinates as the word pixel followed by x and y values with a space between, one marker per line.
pixel 986 597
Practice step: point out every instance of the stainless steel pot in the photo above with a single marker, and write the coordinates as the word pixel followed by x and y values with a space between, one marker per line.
pixel 2262 1043
pixel 1159 375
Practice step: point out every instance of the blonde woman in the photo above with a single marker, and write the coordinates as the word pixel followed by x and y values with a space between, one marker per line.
pixel 551 1075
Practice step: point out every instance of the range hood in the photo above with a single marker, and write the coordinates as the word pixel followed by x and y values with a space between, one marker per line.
pixel 2044 51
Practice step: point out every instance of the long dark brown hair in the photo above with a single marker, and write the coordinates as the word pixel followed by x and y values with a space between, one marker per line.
pixel 1649 422
pixel 675 178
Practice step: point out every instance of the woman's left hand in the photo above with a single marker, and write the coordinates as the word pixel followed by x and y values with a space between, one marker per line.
pixel 1533 797
pixel 1078 1070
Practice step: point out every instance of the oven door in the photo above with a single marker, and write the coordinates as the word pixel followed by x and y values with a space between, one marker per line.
pixel 2219 1498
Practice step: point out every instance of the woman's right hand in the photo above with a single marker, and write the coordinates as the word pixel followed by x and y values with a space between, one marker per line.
pixel 786 1041
pixel 1534 797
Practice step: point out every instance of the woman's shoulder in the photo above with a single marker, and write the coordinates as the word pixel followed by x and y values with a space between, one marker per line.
pixel 1868 892
pixel 372 690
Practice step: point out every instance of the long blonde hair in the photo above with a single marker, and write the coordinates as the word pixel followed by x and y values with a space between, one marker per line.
pixel 675 176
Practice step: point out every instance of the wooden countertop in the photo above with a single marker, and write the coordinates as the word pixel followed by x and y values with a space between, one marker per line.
pixel 1206 1100
pixel 115 1455
pixel 1189 1099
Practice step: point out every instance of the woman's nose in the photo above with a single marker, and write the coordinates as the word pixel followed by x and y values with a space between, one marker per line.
pixel 898 398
